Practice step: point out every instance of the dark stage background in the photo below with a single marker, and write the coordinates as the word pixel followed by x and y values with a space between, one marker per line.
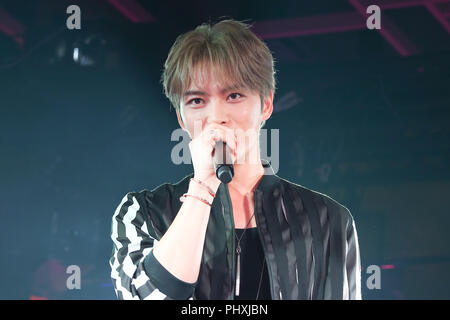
pixel 363 117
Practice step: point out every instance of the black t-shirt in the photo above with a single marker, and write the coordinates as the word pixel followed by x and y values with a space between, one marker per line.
pixel 252 257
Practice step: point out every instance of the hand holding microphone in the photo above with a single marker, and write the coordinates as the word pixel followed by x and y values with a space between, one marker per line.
pixel 213 153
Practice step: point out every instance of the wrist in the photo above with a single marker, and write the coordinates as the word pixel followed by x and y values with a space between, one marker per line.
pixel 200 191
pixel 210 184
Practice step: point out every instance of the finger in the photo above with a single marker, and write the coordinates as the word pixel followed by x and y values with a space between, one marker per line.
pixel 225 134
pixel 212 141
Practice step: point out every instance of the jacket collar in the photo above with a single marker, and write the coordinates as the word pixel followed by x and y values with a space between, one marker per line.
pixel 269 182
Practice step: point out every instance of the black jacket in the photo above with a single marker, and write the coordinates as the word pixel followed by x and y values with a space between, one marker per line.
pixel 309 239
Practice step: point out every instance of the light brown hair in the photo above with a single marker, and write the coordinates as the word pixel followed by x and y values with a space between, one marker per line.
pixel 230 47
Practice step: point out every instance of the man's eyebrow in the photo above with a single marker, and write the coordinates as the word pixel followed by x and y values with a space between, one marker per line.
pixel 202 93
pixel 231 87
pixel 194 93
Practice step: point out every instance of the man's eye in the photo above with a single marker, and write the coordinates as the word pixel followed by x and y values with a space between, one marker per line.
pixel 193 100
pixel 234 94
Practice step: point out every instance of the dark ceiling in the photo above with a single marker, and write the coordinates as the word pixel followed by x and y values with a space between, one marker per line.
pixel 296 30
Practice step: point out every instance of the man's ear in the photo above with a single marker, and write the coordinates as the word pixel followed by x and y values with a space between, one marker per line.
pixel 268 106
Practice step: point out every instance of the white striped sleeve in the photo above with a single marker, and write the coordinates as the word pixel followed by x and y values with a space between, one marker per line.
pixel 132 242
pixel 352 285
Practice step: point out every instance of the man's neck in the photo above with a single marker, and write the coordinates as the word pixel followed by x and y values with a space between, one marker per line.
pixel 246 177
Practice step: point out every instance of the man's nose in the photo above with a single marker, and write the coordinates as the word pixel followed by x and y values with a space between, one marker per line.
pixel 218 112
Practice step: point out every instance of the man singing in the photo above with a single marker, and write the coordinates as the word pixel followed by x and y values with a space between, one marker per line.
pixel 257 237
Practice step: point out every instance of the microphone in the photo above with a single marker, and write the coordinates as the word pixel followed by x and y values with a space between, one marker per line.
pixel 223 164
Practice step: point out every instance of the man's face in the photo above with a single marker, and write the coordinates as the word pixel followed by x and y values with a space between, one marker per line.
pixel 207 101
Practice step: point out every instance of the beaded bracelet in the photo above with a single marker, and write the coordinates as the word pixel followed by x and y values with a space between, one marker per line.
pixel 183 197
pixel 204 185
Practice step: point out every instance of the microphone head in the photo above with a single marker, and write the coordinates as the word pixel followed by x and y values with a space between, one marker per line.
pixel 223 162
pixel 225 173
